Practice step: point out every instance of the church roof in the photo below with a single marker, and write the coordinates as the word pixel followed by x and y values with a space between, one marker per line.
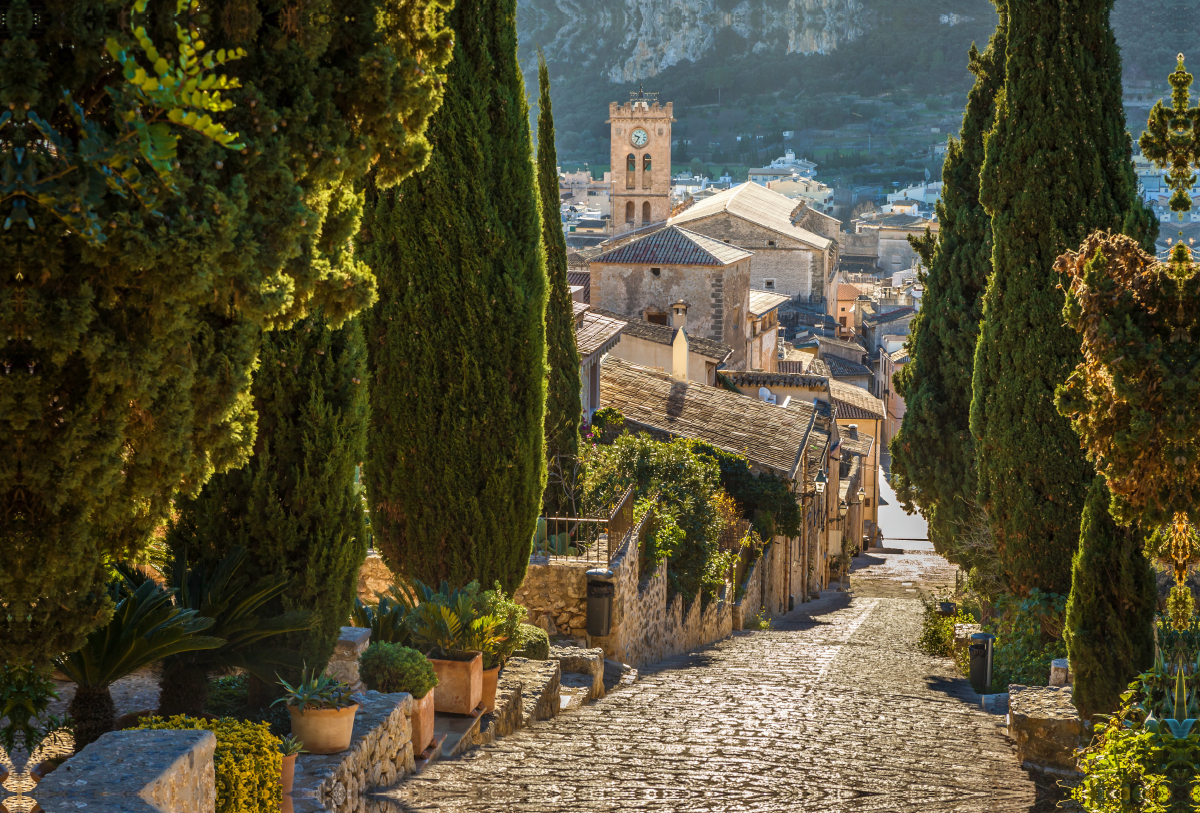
pixel 674 246
pixel 758 205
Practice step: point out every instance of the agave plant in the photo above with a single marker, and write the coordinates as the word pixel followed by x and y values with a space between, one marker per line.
pixel 235 603
pixel 146 627
pixel 385 619
pixel 315 691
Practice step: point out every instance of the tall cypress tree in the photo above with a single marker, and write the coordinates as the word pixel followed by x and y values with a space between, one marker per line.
pixel 1057 167
pixel 457 342
pixel 933 454
pixel 1110 615
pixel 295 507
pixel 563 404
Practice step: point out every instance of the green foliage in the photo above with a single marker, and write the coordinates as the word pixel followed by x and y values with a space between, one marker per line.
pixel 456 469
pixel 1147 756
pixel 682 485
pixel 248 761
pixel 386 619
pixel 316 691
pixel 139 353
pixel 933 453
pixel 230 697
pixel 295 506
pixel 564 406
pixel 1060 112
pixel 510 614
pixel 764 497
pixel 532 642
pixel 452 624
pixel 608 419
pixel 1028 632
pixel 1110 612
pixel 937 630
pixel 234 602
pixel 24 696
pixel 146 627
pixel 761 621
pixel 392 668
pixel 290 746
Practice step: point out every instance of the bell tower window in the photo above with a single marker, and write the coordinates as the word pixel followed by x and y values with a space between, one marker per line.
pixel 646 171
pixel 629 212
pixel 645 212
pixel 630 171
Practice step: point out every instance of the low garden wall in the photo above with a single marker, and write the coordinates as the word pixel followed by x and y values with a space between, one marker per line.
pixel 645 627
pixel 557 589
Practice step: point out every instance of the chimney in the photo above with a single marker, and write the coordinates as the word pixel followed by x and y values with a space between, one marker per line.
pixel 679 314
pixel 679 344
pixel 852 430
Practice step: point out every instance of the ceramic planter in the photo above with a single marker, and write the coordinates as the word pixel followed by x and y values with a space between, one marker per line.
pixel 422 722
pixel 287 773
pixel 460 684
pixel 324 731
pixel 490 678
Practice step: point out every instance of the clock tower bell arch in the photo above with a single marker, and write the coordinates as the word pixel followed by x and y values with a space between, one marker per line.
pixel 640 144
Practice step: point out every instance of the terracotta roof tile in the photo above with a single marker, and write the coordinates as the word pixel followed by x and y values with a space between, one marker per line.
pixel 662 334
pixel 763 302
pixel 597 334
pixel 855 402
pixel 758 205
pixel 764 433
pixel 582 279
pixel 674 246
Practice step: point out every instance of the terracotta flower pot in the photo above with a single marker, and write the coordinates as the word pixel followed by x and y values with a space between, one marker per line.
pixel 324 731
pixel 287 773
pixel 422 722
pixel 460 684
pixel 490 678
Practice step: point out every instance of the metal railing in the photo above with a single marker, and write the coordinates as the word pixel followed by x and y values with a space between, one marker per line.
pixel 584 539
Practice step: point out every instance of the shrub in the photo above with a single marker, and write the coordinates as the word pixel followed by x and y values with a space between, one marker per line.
pixel 533 643
pixel 388 667
pixel 510 614
pixel 761 621
pixel 247 761
pixel 937 631
pixel 1028 636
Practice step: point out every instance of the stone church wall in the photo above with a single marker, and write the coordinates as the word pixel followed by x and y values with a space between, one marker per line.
pixel 794 266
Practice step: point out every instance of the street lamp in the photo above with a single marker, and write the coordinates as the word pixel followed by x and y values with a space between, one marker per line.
pixel 820 482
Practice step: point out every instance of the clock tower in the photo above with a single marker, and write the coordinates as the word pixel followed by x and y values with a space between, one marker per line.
pixel 640 139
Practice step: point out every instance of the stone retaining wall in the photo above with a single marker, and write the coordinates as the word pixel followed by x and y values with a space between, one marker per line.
pixel 557 589
pixel 747 606
pixel 380 754
pixel 136 772
pixel 373 577
pixel 645 628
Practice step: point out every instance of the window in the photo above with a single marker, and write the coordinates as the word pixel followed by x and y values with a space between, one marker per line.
pixel 769 284
pixel 645 213
pixel 726 241
pixel 630 171
pixel 842 320
pixel 770 242
pixel 867 502
pixel 629 212
pixel 656 318
pixel 646 171
pixel 656 271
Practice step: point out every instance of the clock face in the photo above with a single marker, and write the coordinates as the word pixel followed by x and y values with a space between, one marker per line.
pixel 639 137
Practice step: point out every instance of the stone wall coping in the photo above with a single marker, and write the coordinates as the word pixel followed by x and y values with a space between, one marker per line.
pixel 136 772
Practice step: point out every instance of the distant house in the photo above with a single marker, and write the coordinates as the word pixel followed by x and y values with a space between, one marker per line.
pixel 639 279
pixel 595 335
pixel 762 329
pixel 793 249
pixel 861 417
pixel 650 345
pixel 798 444
pixel 848 372
pixel 891 233
pixel 894 406
pixel 896 322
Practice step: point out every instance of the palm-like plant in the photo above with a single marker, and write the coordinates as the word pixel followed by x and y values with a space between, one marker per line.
pixel 450 624
pixel 385 619
pixel 235 604
pixel 146 627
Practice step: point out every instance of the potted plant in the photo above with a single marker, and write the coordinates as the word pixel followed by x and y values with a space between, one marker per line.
pixel 290 746
pixel 387 667
pixel 322 711
pixel 505 642
pixel 453 633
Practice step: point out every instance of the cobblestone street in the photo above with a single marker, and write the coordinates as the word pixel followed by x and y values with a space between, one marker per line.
pixel 833 710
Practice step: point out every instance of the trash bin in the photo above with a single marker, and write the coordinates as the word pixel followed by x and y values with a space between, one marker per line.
pixel 600 594
pixel 981 661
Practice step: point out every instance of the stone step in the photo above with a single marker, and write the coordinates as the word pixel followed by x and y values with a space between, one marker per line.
pixel 431 754
pixel 458 730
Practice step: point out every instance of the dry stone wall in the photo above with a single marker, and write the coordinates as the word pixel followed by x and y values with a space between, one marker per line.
pixel 646 627
pixel 136 772
pixel 558 589
pixel 373 577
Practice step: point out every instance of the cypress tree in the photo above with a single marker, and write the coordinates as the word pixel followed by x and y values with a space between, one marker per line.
pixel 1057 167
pixel 1109 628
pixel 564 406
pixel 150 247
pixel 457 342
pixel 295 507
pixel 933 454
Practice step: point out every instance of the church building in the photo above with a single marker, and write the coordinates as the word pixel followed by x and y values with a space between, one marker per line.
pixel 640 143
